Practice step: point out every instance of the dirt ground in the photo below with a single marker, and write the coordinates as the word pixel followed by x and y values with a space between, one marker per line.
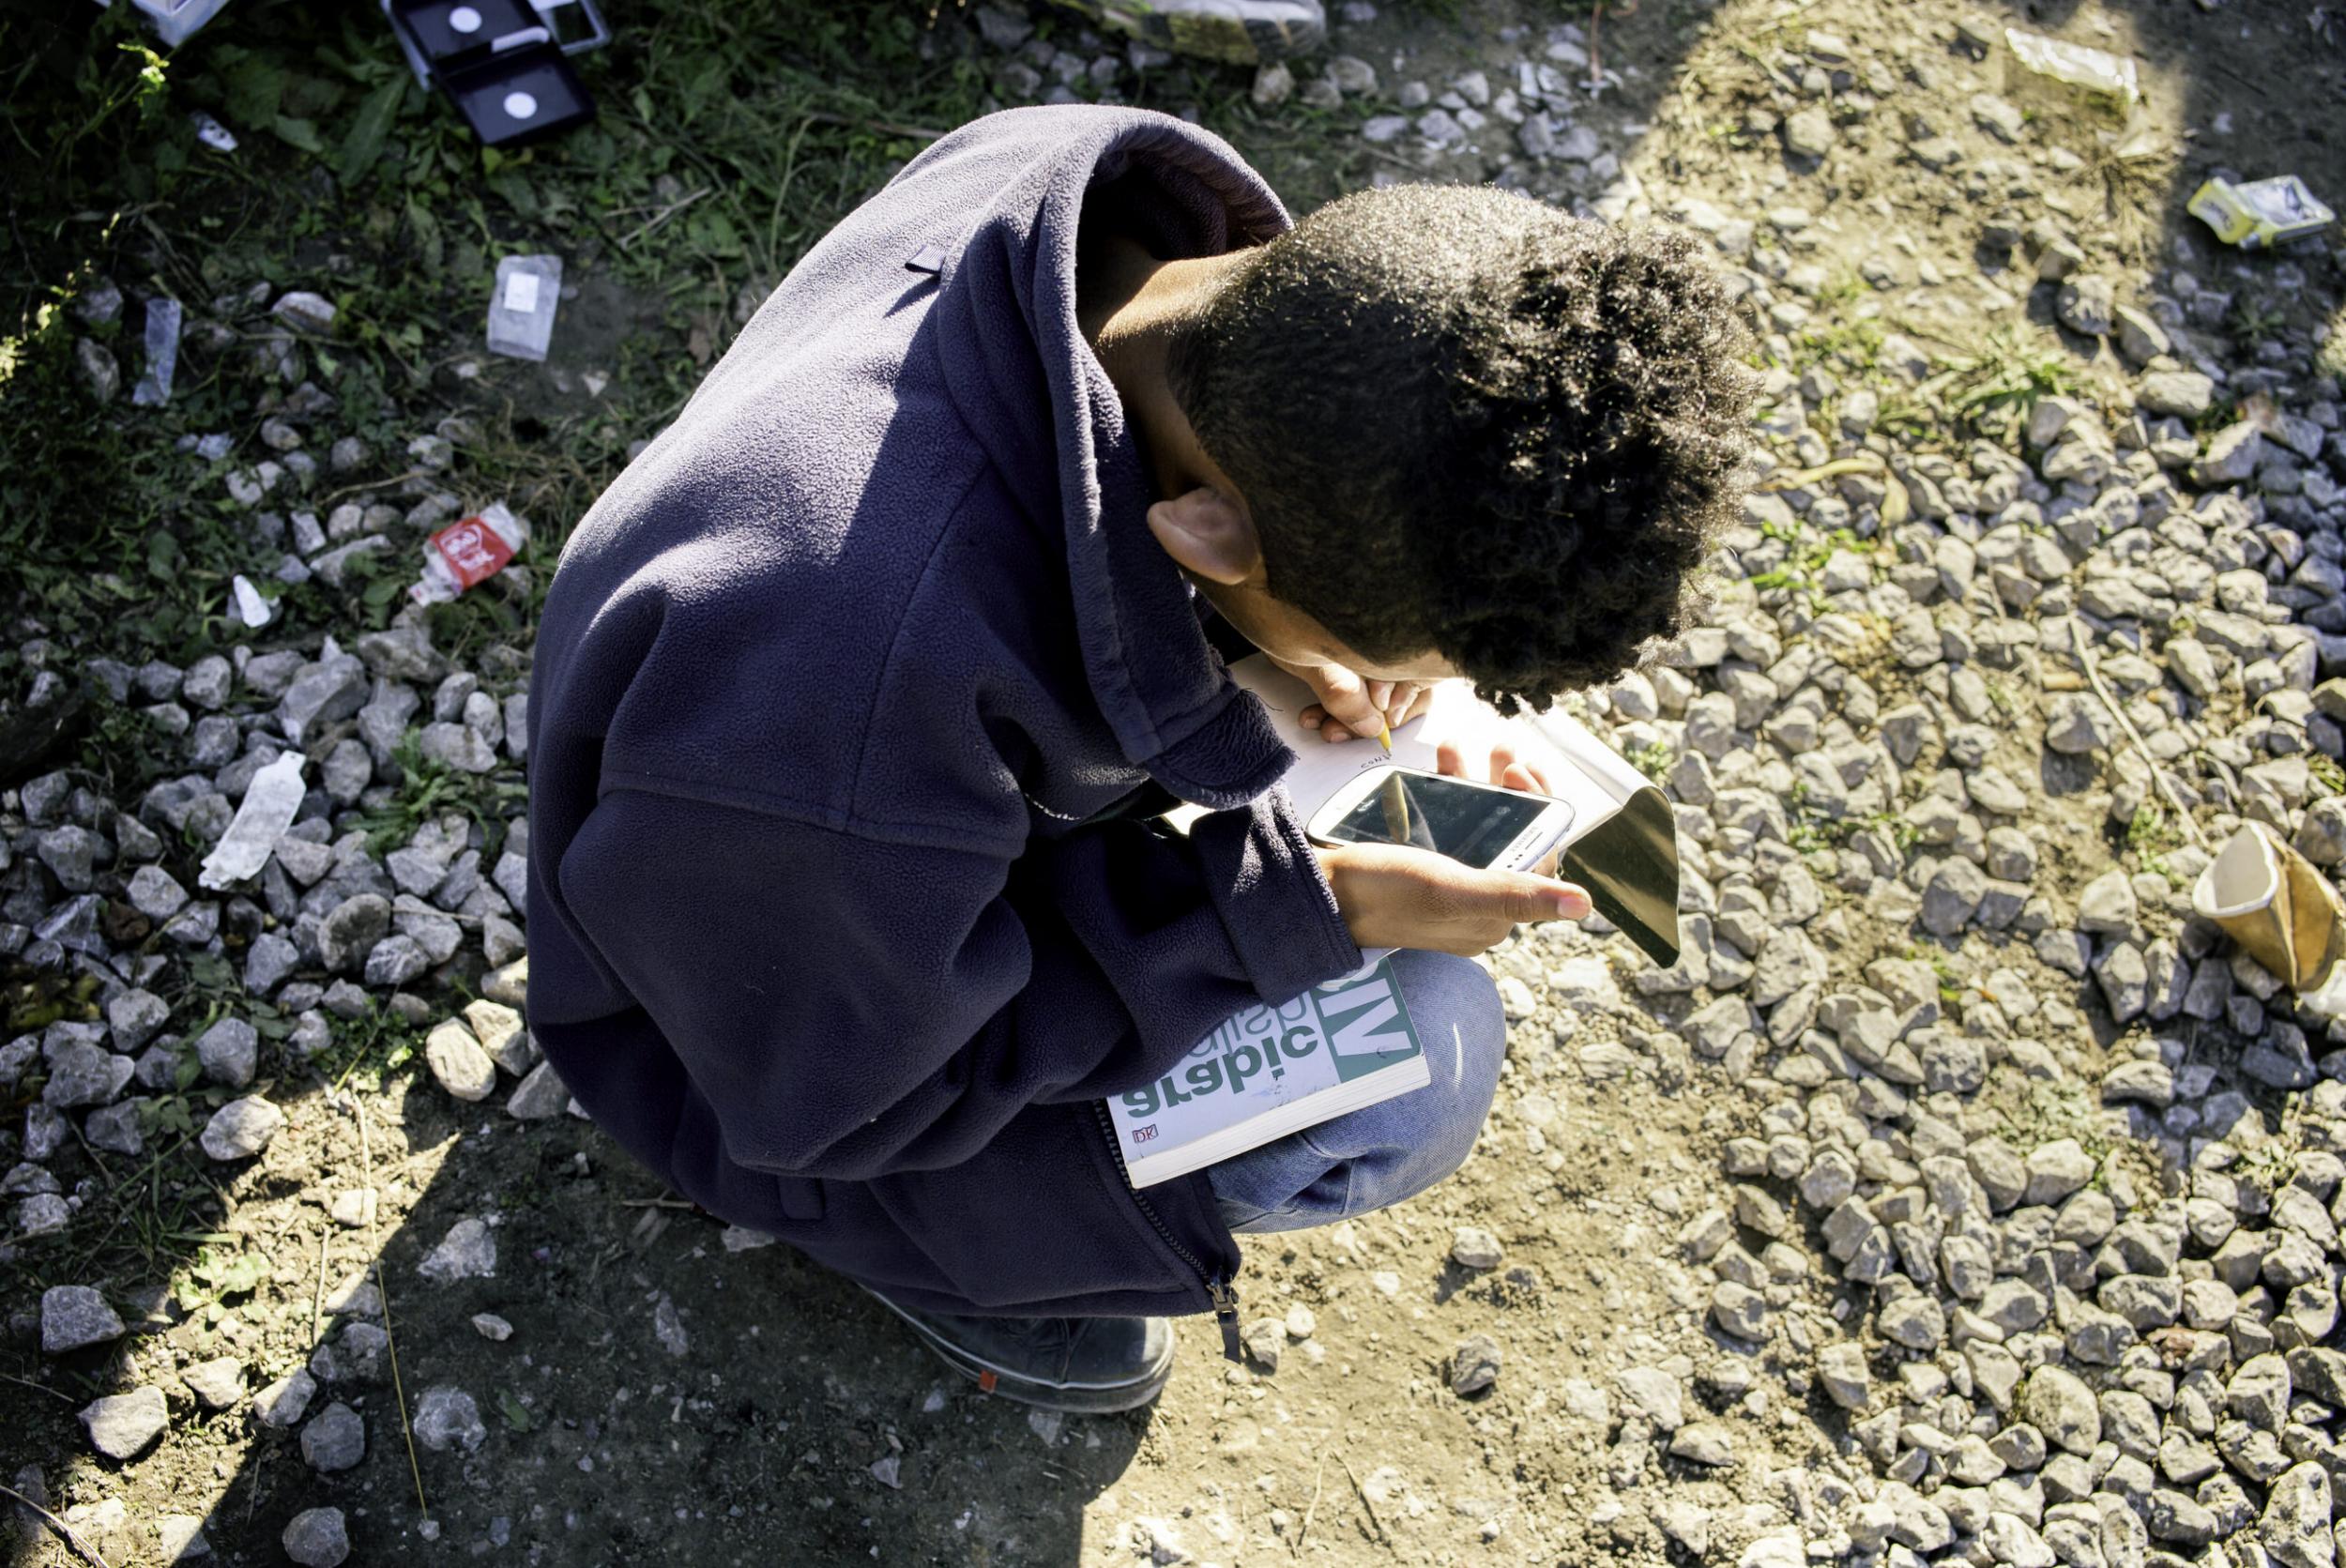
pixel 674 1392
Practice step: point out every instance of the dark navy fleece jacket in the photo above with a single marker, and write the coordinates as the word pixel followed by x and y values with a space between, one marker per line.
pixel 834 921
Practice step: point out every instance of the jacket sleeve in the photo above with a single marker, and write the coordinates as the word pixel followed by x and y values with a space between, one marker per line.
pixel 850 1006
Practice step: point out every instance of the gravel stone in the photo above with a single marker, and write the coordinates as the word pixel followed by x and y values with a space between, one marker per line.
pixel 2057 1403
pixel 156 894
pixel 269 961
pixel 468 1251
pixel 1473 1247
pixel 284 1402
pixel 351 930
pixel 73 1316
pixel 2295 1527
pixel 1704 1442
pixel 457 1060
pixel 448 1416
pixel 2087 303
pixel 1847 1378
pixel 2185 394
pixel 218 1384
pixel 317 1538
pixel 241 1129
pixel 230 1051
pixel 538 1095
pixel 135 1018
pixel 335 1439
pixel 2077 723
pixel 1474 1366
pixel 394 961
pixel 1655 1394
pixel 499 1031
pixel 1809 133
pixel 124 1425
pixel 1952 896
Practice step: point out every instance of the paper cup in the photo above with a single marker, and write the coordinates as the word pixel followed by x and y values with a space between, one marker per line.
pixel 2274 903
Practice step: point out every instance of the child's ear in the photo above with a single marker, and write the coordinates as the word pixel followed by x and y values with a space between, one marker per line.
pixel 1209 534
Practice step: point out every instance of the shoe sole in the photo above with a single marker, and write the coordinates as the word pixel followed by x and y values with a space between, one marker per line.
pixel 1074 1398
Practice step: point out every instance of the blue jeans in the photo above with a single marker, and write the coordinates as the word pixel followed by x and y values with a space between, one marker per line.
pixel 1378 1156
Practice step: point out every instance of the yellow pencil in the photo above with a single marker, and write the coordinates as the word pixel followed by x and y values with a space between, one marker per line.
pixel 1384 738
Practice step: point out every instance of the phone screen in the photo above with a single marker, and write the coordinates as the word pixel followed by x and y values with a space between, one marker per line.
pixel 1474 822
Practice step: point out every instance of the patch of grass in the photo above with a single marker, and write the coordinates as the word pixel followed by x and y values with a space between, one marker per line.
pixel 2254 320
pixel 2326 773
pixel 367 1050
pixel 1994 389
pixel 728 140
pixel 428 789
pixel 1856 344
pixel 2270 1166
pixel 215 1275
pixel 2150 834
pixel 1653 759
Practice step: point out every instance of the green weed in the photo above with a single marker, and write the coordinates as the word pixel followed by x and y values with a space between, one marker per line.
pixel 1996 386
pixel 1653 759
pixel 429 789
pixel 2150 834
pixel 2326 773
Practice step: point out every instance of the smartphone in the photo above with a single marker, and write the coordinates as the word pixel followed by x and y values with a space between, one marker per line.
pixel 1479 824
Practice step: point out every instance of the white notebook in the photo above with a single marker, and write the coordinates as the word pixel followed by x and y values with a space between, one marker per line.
pixel 1623 844
pixel 1268 1072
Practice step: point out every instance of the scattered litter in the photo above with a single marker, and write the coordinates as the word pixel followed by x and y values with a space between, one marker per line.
pixel 251 609
pixel 2261 213
pixel 269 803
pixel 2096 70
pixel 305 311
pixel 2275 905
pixel 511 87
pixel 162 351
pixel 175 20
pixel 521 307
pixel 211 132
pixel 467 553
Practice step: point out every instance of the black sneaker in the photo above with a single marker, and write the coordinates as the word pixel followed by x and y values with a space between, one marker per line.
pixel 1088 1365
pixel 1244 32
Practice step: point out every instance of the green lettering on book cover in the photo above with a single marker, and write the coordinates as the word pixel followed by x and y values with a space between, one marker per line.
pixel 1367 1023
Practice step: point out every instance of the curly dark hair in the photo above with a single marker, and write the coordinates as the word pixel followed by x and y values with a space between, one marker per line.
pixel 1465 421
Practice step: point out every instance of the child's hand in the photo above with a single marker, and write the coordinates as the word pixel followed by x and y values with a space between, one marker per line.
pixel 1349 706
pixel 1397 898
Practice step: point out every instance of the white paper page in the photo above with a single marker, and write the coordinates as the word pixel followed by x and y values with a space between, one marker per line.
pixel 1583 772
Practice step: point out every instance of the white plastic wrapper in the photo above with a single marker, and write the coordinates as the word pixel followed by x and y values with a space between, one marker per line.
pixel 2095 70
pixel 212 133
pixel 267 812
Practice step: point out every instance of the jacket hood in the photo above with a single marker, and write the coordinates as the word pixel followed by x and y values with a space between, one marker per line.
pixel 1158 682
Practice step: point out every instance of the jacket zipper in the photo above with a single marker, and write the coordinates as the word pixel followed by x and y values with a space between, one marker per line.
pixel 1220 1291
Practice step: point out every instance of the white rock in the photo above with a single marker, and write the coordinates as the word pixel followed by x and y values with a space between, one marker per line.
pixel 457 1060
pixel 468 1251
pixel 241 1129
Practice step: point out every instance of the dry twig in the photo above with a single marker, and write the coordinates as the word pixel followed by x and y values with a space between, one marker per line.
pixel 1362 1492
pixel 63 1529
pixel 2166 782
pixel 1295 1546
pixel 375 1251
